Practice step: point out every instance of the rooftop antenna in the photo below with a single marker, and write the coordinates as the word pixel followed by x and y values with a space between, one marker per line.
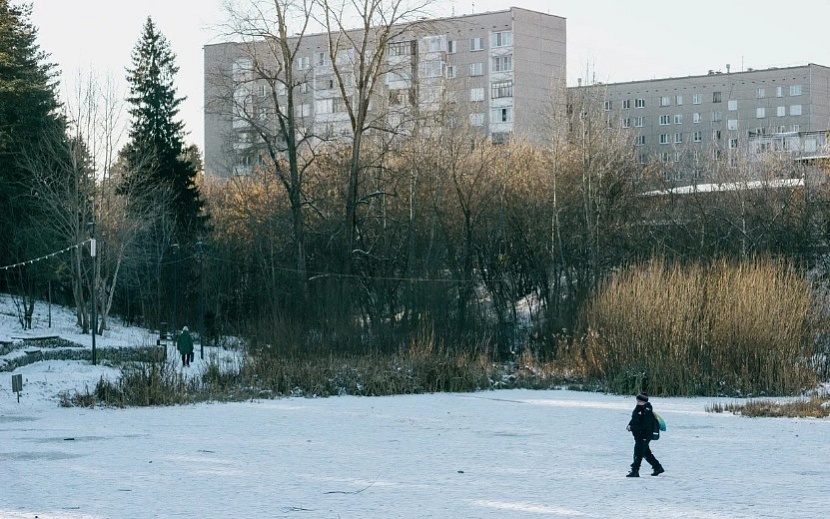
pixel 474 7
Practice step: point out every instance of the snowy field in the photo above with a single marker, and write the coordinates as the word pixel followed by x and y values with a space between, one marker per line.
pixel 503 454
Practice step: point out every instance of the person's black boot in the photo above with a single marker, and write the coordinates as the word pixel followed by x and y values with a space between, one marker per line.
pixel 633 474
pixel 658 470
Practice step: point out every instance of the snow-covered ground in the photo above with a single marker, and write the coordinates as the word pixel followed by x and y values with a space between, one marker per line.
pixel 516 454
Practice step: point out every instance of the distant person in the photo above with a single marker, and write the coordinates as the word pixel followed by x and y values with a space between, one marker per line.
pixel 641 426
pixel 185 346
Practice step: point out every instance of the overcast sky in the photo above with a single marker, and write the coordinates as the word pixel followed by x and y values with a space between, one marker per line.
pixel 608 40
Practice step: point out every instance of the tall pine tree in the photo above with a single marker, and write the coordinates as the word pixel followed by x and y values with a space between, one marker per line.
pixel 156 155
pixel 28 113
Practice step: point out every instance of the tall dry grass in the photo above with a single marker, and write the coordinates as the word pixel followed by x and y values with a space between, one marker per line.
pixel 724 328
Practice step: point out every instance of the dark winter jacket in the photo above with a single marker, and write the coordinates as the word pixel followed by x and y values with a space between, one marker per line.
pixel 185 343
pixel 642 421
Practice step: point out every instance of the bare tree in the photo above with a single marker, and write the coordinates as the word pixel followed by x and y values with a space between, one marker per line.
pixel 264 95
pixel 359 62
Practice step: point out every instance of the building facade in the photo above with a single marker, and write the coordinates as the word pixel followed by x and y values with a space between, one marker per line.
pixel 499 70
pixel 684 124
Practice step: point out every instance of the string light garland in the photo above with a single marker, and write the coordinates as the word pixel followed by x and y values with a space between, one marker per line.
pixel 52 255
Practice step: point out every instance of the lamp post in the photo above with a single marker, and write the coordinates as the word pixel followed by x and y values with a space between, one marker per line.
pixel 201 246
pixel 93 291
pixel 175 321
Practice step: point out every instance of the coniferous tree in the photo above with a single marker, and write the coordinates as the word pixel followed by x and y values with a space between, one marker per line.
pixel 156 155
pixel 28 112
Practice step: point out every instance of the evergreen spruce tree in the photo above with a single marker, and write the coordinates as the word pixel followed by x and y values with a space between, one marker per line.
pixel 155 154
pixel 28 114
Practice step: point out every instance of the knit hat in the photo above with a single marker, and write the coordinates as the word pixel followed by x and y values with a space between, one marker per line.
pixel 643 397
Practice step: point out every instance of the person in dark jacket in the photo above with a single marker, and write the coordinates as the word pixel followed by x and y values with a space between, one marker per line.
pixel 641 426
pixel 185 346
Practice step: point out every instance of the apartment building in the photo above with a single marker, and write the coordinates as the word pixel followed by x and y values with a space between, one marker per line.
pixel 498 69
pixel 683 124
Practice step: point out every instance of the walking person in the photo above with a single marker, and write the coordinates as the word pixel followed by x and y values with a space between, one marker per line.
pixel 185 346
pixel 641 426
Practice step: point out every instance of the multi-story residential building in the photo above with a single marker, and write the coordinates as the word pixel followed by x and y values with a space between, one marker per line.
pixel 499 69
pixel 685 123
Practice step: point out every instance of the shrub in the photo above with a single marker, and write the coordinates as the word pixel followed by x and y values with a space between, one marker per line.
pixel 746 328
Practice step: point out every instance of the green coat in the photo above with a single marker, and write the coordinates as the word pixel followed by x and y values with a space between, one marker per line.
pixel 185 343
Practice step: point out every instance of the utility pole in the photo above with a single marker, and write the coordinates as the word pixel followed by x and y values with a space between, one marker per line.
pixel 94 295
pixel 201 245
pixel 175 248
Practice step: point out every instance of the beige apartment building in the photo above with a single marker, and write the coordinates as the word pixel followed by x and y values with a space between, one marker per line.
pixel 498 69
pixel 685 123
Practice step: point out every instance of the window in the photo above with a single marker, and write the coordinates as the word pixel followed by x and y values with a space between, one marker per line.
pixel 733 143
pixel 781 111
pixel 716 135
pixel 640 141
pixel 678 100
pixel 779 91
pixel 732 105
pixel 664 120
pixel 664 138
pixel 664 157
pixel 626 104
pixel 304 63
pixel 261 89
pixel 761 93
pixel 643 158
pixel 678 138
pixel 795 90
pixel 717 116
pixel 281 89
pixel 782 129
pixel 501 115
pixel 795 128
pixel 795 110
pixel 501 39
pixel 432 69
pixel 324 106
pixel 665 101
pixel 697 137
pixel 626 122
pixel 324 83
pixel 503 63
pixel 677 155
pixel 397 97
pixel 606 106
pixel 476 94
pixel 304 87
pixel 678 118
pixel 639 122
pixel 303 110
pixel 451 72
pixel 697 99
pixel 760 112
pixel 322 59
pixel 716 96
pixel 477 119
pixel 716 154
pixel 432 44
pixel 501 89
pixel 476 69
pixel 696 117
pixel 639 103
pixel 732 124
pixel 400 48
pixel 452 47
pixel 476 44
